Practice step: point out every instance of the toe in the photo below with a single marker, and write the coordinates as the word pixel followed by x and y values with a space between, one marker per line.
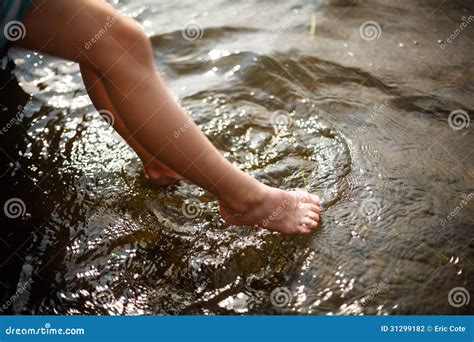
pixel 311 208
pixel 307 197
pixel 309 223
pixel 164 181
pixel 316 200
pixel 315 209
pixel 160 181
pixel 157 173
pixel 314 216
pixel 304 230
pixel 304 196
pixel 313 199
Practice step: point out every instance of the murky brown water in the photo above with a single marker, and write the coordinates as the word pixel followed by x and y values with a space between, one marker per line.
pixel 291 93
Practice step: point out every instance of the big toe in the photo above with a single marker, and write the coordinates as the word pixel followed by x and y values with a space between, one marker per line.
pixel 158 179
pixel 163 181
pixel 307 197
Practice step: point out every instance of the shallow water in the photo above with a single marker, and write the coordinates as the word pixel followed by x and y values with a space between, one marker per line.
pixel 299 102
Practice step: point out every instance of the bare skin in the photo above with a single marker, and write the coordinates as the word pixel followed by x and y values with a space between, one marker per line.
pixel 156 172
pixel 120 76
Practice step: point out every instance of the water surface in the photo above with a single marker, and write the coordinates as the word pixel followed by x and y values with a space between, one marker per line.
pixel 291 93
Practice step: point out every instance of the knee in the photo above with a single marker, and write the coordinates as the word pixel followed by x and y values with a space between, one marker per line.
pixel 125 41
pixel 132 39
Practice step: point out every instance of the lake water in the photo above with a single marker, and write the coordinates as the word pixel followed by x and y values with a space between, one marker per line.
pixel 365 103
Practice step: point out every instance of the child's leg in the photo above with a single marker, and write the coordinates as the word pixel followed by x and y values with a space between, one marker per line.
pixel 157 172
pixel 123 57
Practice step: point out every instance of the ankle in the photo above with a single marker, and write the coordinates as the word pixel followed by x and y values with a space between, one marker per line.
pixel 245 200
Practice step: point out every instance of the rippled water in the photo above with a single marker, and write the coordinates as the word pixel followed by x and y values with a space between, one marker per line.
pixel 301 101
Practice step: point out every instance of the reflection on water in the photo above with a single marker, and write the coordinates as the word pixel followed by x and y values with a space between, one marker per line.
pixel 97 238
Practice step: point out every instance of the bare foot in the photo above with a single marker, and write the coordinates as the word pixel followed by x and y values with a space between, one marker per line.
pixel 159 174
pixel 286 212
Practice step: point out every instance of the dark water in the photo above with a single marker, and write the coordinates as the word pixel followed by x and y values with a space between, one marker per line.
pixel 291 93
